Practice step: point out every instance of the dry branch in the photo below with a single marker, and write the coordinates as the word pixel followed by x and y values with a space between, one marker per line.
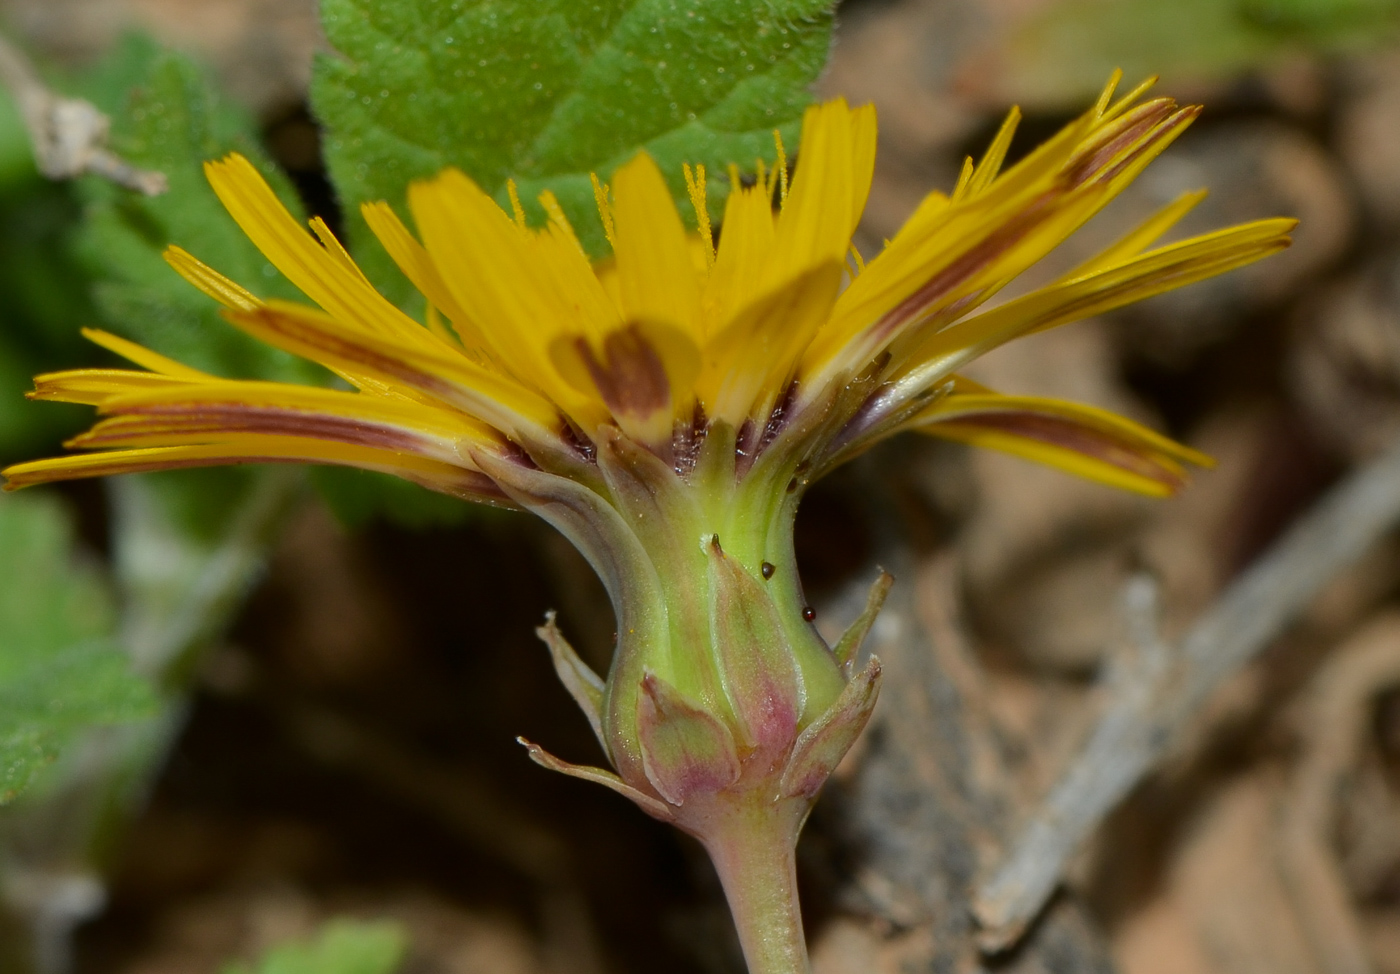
pixel 1158 692
pixel 928 792
pixel 69 135
pixel 1335 726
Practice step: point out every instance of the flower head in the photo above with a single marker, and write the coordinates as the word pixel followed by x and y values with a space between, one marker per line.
pixel 532 351
pixel 666 407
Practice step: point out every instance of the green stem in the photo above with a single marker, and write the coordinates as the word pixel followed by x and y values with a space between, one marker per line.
pixel 755 855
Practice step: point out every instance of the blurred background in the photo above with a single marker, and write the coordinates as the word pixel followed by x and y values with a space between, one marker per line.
pixel 339 740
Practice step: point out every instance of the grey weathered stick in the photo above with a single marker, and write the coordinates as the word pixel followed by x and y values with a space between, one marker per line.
pixel 1335 723
pixel 69 135
pixel 1139 725
pixel 178 592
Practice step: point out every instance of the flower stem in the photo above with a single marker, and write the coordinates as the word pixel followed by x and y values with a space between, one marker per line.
pixel 754 853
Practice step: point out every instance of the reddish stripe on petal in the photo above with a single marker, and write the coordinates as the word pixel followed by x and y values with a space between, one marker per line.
pixel 210 420
pixel 1069 435
pixel 1096 165
pixel 631 376
pixel 978 258
pixel 1130 128
pixel 469 485
pixel 352 351
pixel 1178 121
pixel 441 373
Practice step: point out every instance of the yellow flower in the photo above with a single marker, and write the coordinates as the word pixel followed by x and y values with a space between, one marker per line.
pixel 531 349
pixel 666 407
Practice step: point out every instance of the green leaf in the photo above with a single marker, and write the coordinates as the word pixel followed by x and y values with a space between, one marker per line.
pixel 341 947
pixel 166 116
pixel 60 668
pixel 547 91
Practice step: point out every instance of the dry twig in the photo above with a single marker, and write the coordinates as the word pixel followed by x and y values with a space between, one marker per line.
pixel 69 135
pixel 1159 694
pixel 928 792
pixel 1336 724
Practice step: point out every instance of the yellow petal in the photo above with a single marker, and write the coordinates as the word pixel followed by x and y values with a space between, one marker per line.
pixel 310 401
pixel 328 277
pixel 1078 439
pixel 445 478
pixel 93 387
pixel 745 247
pixel 1141 237
pixel 142 356
pixel 643 372
pixel 836 163
pixel 438 372
pixel 1163 269
pixel 194 424
pixel 413 259
pixel 990 166
pixel 210 281
pixel 502 280
pixel 655 271
pixel 968 251
pixel 750 362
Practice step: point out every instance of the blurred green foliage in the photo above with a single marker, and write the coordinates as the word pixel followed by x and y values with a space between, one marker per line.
pixel 357 497
pixel 61 669
pixel 1063 54
pixel 340 947
pixel 167 116
pixel 1324 21
pixel 45 294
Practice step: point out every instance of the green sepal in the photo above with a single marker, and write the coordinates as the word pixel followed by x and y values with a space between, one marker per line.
pixel 751 648
pixel 686 752
pixel 598 776
pixel 821 746
pixel 852 638
pixel 585 686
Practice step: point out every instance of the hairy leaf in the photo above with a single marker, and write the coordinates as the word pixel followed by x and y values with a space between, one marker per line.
pixel 547 91
pixel 60 668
